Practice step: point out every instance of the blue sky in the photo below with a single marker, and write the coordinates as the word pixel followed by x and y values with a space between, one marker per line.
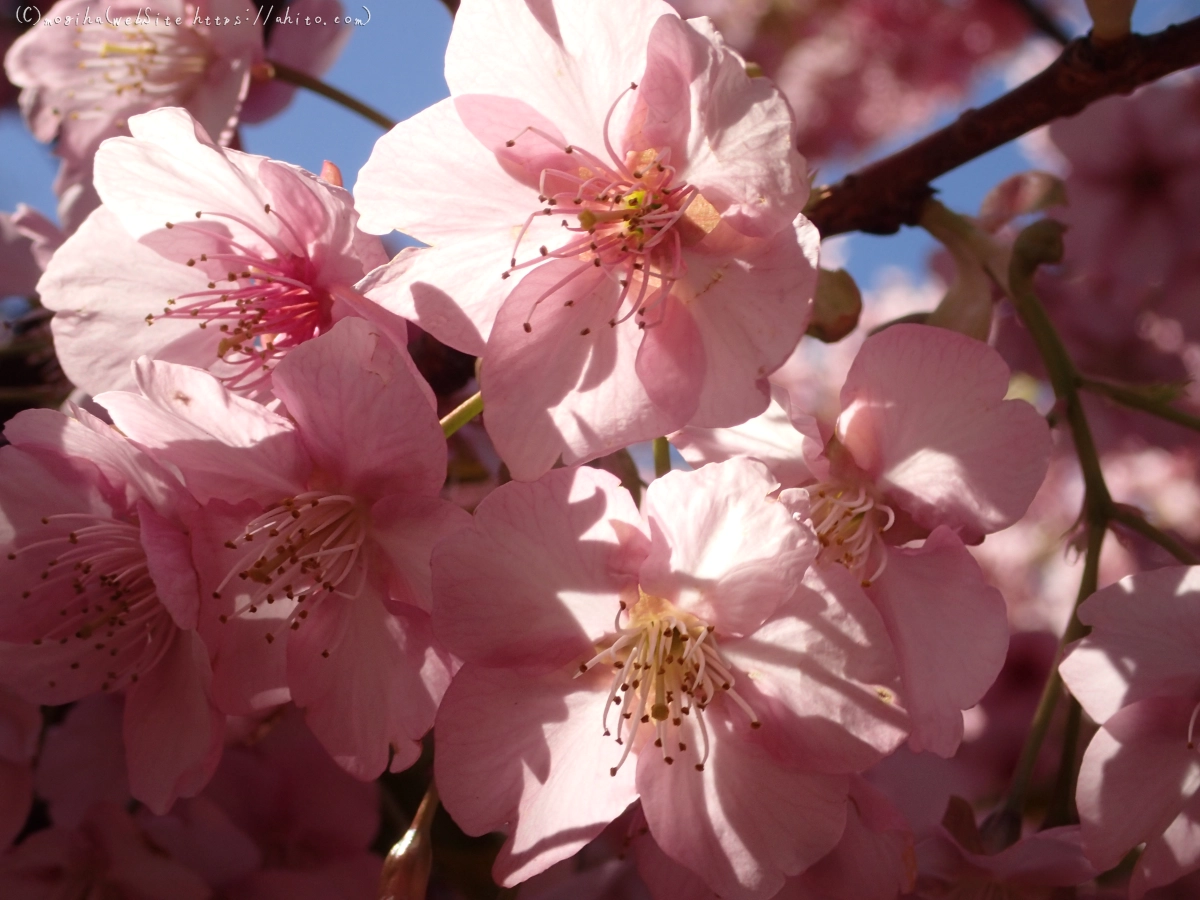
pixel 395 64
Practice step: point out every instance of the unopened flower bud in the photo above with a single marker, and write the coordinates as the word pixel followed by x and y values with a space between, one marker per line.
pixel 837 305
pixel 331 174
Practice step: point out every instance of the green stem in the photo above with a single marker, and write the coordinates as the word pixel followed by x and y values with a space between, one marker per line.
pixel 1019 788
pixel 1135 399
pixel 1061 811
pixel 1042 243
pixel 302 79
pixel 1135 522
pixel 462 414
pixel 662 457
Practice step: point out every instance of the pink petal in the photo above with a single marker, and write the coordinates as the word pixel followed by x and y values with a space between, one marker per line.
pixel 567 386
pixel 460 192
pixel 1170 857
pixel 744 823
pixel 227 447
pixel 670 362
pixel 549 786
pixel 362 412
pixel 873 861
pixel 454 291
pixel 20 728
pixel 169 560
pixel 20 731
pixel 102 286
pixel 199 834
pixel 923 413
pixel 170 169
pixel 249 672
pixel 722 548
pixel 1136 777
pixel 351 876
pixel 173 733
pixel 493 121
pixel 569 62
pixel 950 631
pixel 368 678
pixel 83 761
pixel 134 866
pixel 539 576
pixel 1050 858
pixel 16 798
pixel 1143 642
pixel 218 100
pixel 309 49
pixel 664 877
pixel 772 437
pixel 127 470
pixel 759 192
pixel 286 782
pixel 822 677
pixel 406 529
pixel 349 302
pixel 752 301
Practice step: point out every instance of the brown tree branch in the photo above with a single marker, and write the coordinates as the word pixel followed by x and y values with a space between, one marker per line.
pixel 890 192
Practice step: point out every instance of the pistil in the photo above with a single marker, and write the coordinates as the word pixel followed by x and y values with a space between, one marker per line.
pixel 621 215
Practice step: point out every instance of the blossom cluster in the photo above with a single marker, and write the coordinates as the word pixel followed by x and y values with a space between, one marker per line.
pixel 247 589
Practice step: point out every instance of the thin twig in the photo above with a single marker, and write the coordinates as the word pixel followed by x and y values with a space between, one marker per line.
pixel 1038 244
pixel 890 193
pixel 302 79
pixel 1136 522
pixel 1130 396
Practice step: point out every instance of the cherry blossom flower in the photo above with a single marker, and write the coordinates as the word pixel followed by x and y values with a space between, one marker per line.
pixel 85 71
pixel 104 594
pixel 1137 674
pixel 926 448
pixel 673 656
pixel 27 240
pixel 316 534
pixel 204 256
pixel 614 212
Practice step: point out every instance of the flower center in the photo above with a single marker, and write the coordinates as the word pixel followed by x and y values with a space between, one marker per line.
pixel 849 523
pixel 95 567
pixel 666 664
pixel 264 306
pixel 156 64
pixel 623 215
pixel 299 550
